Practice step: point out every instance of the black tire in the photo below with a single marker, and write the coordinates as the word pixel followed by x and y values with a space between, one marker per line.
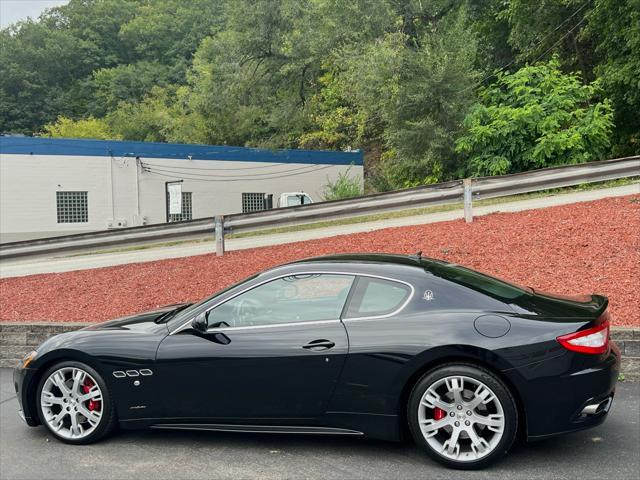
pixel 489 379
pixel 108 421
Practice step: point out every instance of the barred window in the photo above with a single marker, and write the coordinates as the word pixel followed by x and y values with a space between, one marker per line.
pixel 252 202
pixel 187 209
pixel 72 207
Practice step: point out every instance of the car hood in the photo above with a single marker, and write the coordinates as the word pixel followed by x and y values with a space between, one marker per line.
pixel 145 321
pixel 135 337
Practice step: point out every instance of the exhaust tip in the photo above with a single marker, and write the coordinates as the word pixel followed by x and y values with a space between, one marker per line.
pixel 597 408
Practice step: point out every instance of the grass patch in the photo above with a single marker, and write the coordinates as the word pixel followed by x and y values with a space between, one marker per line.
pixel 436 209
pixel 140 247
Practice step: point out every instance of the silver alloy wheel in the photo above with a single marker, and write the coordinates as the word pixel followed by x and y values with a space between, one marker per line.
pixel 71 402
pixel 461 418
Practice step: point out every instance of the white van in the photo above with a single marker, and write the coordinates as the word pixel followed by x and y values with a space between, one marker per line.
pixel 291 199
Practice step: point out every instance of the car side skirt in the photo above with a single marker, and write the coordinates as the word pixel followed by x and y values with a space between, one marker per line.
pixel 219 427
pixel 381 427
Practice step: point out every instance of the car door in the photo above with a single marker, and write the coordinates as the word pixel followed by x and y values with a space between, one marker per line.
pixel 274 351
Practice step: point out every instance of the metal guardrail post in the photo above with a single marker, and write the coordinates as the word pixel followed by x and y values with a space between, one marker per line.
pixel 468 200
pixel 219 229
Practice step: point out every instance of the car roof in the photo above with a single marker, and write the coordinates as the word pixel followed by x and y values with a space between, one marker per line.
pixel 364 259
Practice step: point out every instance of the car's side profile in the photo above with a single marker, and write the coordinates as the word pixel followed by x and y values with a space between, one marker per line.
pixel 363 345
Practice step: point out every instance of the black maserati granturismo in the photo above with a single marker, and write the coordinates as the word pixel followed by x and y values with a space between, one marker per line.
pixel 366 345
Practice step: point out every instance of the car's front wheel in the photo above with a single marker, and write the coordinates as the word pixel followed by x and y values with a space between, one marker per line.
pixel 463 416
pixel 74 403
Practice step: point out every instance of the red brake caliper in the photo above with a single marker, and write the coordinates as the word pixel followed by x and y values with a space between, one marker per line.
pixel 438 413
pixel 86 388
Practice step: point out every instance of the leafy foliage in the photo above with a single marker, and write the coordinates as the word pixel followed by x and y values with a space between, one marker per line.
pixel 87 128
pixel 345 186
pixel 535 118
pixel 614 28
pixel 396 78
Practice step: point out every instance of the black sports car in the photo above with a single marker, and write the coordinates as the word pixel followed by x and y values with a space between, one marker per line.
pixel 369 345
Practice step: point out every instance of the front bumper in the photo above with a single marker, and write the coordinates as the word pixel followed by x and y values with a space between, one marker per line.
pixel 555 393
pixel 22 378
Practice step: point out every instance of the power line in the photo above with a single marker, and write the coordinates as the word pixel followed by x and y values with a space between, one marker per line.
pixel 200 179
pixel 531 50
pixel 174 171
pixel 560 39
pixel 219 169
pixel 179 170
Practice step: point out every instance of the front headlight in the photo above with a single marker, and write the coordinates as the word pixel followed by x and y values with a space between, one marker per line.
pixel 28 358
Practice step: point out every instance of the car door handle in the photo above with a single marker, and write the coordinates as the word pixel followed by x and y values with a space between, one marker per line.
pixel 320 344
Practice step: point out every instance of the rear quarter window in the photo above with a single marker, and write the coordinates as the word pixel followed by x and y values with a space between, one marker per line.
pixel 438 294
pixel 375 296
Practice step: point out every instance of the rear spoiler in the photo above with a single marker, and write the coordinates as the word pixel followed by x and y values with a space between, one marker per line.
pixel 601 303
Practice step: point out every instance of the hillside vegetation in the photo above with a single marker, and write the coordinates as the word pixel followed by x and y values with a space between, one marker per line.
pixel 430 89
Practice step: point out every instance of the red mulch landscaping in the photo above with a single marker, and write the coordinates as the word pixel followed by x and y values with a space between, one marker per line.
pixel 591 247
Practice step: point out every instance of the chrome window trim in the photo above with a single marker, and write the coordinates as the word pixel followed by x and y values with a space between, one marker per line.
pixel 271 325
pixel 293 274
pixel 386 315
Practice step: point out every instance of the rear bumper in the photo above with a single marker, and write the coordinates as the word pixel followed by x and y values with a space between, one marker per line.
pixel 556 393
pixel 21 379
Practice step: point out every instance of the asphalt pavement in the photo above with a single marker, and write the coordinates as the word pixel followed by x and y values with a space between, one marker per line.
pixel 609 451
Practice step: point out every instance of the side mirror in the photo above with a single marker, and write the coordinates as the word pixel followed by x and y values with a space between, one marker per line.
pixel 200 323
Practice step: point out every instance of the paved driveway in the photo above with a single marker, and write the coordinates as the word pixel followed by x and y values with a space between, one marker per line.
pixel 610 451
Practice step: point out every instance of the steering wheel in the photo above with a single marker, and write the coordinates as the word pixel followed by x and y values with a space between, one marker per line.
pixel 244 312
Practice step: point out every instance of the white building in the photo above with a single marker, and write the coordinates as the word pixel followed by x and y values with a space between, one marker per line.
pixel 54 187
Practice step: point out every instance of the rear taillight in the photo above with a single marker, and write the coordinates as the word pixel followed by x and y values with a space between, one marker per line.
pixel 593 340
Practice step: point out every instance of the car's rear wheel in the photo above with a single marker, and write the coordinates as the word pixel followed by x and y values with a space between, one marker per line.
pixel 74 403
pixel 463 416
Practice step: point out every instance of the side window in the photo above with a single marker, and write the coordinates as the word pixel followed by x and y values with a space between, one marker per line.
pixel 297 298
pixel 375 296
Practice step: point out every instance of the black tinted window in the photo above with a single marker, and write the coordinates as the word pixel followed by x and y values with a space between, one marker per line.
pixel 375 296
pixel 479 282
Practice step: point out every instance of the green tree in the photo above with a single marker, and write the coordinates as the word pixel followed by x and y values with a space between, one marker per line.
pixel 83 58
pixel 536 117
pixel 128 83
pixel 395 78
pixel 544 28
pixel 88 128
pixel 614 27
pixel 155 118
pixel 406 95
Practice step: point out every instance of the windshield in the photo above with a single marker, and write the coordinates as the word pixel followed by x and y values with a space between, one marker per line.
pixel 191 308
pixel 301 199
pixel 479 281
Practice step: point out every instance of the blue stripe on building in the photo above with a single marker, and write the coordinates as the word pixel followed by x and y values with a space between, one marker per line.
pixel 175 151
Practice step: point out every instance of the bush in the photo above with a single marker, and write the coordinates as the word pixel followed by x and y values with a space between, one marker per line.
pixel 534 118
pixel 344 186
pixel 93 128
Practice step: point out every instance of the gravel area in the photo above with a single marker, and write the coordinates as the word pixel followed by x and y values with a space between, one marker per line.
pixel 591 247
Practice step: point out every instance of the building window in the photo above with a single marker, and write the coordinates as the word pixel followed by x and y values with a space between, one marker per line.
pixel 252 202
pixel 72 207
pixel 187 209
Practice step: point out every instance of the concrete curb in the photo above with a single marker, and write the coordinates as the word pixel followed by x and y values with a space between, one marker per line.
pixel 19 338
